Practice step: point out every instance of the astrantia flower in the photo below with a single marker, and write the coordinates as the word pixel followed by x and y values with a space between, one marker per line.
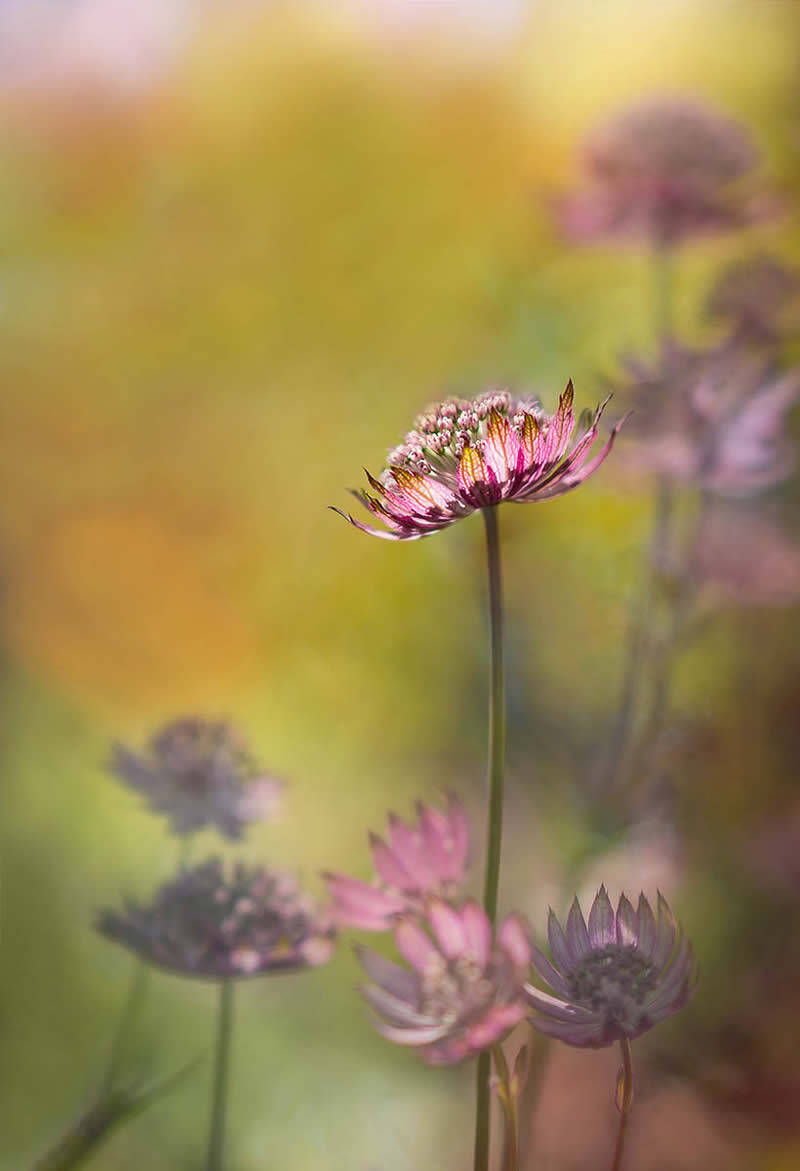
pixel 664 169
pixel 614 979
pixel 466 454
pixel 715 417
pixel 217 926
pixel 428 858
pixel 200 773
pixel 462 994
pixel 759 298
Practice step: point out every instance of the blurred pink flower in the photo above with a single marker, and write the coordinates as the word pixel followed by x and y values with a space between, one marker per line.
pixel 664 169
pixel 429 858
pixel 200 773
pixel 467 454
pixel 219 926
pixel 615 978
pixel 746 558
pixel 715 417
pixel 462 994
pixel 758 298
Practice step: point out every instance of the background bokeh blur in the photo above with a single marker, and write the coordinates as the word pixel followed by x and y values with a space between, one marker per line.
pixel 242 246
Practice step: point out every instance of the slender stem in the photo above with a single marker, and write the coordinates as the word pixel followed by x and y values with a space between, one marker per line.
pixel 497 722
pixel 219 1092
pixel 664 299
pixel 509 1100
pixel 497 716
pixel 666 654
pixel 133 1003
pixel 624 1101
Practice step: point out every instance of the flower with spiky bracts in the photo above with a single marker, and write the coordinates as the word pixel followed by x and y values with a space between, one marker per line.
pixel 759 298
pixel 414 862
pixel 463 992
pixel 665 169
pixel 467 454
pixel 614 978
pixel 218 926
pixel 713 417
pixel 200 773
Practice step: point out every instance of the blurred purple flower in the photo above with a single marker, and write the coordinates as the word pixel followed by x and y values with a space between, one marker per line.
pixel 462 995
pixel 715 417
pixel 200 773
pixel 746 558
pixel 665 169
pixel 467 454
pixel 614 979
pixel 758 298
pixel 215 926
pixel 429 858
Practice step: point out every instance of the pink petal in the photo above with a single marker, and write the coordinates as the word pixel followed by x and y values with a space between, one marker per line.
pixel 408 847
pixel 415 946
pixel 478 932
pixel 514 939
pixel 389 867
pixel 448 927
pixel 498 1020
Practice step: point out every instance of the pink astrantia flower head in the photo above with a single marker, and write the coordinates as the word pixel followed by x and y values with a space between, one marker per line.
pixel 463 991
pixel 614 978
pixel 411 863
pixel 713 417
pixel 216 925
pixel 466 454
pixel 200 773
pixel 664 169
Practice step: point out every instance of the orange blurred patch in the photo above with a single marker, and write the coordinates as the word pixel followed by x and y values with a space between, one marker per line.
pixel 118 606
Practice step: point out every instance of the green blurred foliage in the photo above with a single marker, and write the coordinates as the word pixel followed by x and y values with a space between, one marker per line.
pixel 219 301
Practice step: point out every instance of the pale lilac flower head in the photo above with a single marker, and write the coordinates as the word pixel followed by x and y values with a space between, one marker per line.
pixel 615 978
pixel 758 298
pixel 412 863
pixel 463 991
pixel 712 417
pixel 200 773
pixel 466 454
pixel 217 925
pixel 664 169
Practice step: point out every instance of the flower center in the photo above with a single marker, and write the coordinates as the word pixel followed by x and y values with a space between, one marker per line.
pixel 441 434
pixel 455 991
pixel 614 980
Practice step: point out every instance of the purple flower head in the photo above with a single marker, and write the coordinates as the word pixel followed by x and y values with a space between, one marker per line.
pixel 218 926
pixel 463 992
pixel 199 773
pixel 428 858
pixel 759 298
pixel 714 417
pixel 466 454
pixel 665 169
pixel 616 977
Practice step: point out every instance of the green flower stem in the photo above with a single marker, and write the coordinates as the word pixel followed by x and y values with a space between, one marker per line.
pixel 497 736
pixel 508 1097
pixel 624 1101
pixel 133 1004
pixel 219 1092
